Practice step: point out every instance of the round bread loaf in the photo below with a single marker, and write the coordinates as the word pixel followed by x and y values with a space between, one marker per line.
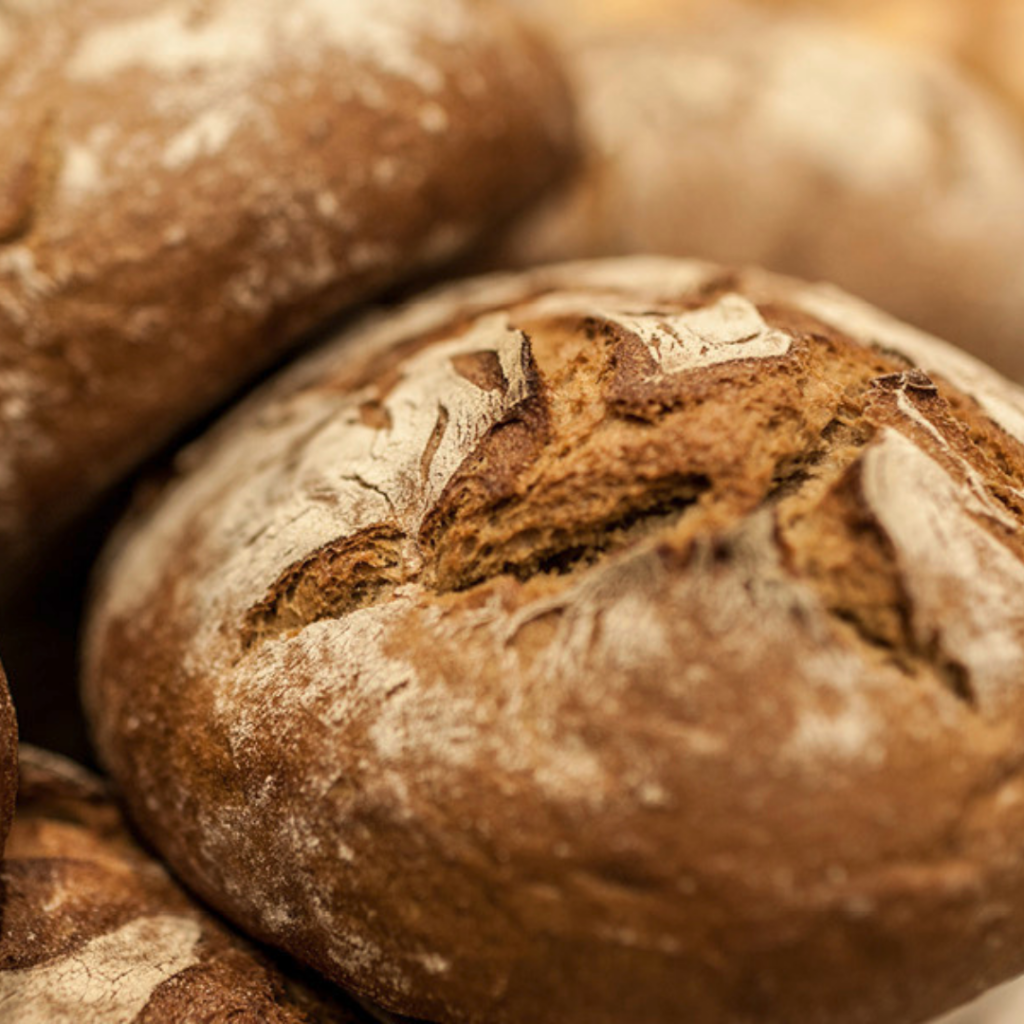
pixel 614 642
pixel 8 760
pixel 187 187
pixel 784 143
pixel 96 933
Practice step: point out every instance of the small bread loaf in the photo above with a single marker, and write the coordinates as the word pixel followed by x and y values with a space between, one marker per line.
pixel 96 933
pixel 784 143
pixel 185 188
pixel 614 642
pixel 8 760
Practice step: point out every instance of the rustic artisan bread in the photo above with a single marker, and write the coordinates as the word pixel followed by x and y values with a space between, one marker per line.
pixel 187 187
pixel 615 642
pixel 8 760
pixel 96 933
pixel 782 142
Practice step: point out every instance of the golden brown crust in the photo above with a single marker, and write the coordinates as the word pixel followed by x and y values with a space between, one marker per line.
pixel 789 143
pixel 649 653
pixel 94 929
pixel 270 163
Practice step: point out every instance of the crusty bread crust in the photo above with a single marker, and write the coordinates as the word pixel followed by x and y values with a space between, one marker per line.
pixel 95 931
pixel 614 642
pixel 187 187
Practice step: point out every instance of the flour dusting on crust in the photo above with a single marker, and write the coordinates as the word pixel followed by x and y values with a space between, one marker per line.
pixel 109 981
pixel 963 583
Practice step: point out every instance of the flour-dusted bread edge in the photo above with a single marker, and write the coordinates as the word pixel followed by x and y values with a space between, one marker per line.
pixel 95 930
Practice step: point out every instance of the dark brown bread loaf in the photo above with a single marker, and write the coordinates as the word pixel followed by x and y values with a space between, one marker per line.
pixel 94 931
pixel 615 642
pixel 785 143
pixel 186 186
pixel 8 760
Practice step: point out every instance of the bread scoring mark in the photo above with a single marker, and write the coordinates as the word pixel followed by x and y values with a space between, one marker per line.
pixel 108 981
pixel 729 329
pixel 962 583
pixel 375 475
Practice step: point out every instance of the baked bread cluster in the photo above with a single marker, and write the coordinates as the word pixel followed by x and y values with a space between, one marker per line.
pixel 632 639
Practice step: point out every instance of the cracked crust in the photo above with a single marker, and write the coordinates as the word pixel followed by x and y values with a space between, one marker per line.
pixel 94 929
pixel 192 185
pixel 888 173
pixel 648 651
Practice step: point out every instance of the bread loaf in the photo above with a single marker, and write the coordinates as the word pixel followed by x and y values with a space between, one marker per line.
pixel 784 143
pixel 615 642
pixel 96 933
pixel 186 188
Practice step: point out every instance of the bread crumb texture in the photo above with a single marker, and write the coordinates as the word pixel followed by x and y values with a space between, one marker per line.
pixel 630 640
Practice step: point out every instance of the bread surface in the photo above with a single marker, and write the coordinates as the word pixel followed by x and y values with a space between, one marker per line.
pixel 790 144
pixel 614 642
pixel 187 186
pixel 95 932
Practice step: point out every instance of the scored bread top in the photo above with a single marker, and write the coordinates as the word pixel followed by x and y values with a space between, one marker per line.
pixel 640 570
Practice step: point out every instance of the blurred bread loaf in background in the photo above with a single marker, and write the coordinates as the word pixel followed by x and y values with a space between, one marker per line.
pixel 785 142
pixel 986 36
